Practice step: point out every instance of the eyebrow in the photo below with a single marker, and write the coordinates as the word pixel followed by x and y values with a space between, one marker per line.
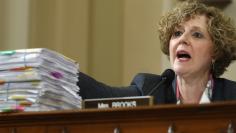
pixel 196 28
pixel 192 28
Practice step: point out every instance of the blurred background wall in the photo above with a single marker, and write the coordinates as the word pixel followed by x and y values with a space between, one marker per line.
pixel 111 39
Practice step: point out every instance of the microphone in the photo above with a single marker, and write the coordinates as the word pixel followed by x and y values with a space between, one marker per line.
pixel 166 77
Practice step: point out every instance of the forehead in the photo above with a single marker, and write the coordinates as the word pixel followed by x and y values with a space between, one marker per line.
pixel 196 21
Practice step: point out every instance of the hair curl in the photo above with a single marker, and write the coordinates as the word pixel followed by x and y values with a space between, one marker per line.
pixel 220 28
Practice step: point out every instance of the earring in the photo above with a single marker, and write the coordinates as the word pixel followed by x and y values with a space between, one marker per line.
pixel 212 65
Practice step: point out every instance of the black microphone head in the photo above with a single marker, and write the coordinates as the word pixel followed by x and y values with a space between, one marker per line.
pixel 168 75
pixel 166 78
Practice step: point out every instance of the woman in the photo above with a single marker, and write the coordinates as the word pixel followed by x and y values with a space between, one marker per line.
pixel 200 43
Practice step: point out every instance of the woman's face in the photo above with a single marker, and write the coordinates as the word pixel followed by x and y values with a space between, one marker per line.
pixel 191 47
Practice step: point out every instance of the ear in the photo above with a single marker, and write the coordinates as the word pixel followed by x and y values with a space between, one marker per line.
pixel 213 57
pixel 213 61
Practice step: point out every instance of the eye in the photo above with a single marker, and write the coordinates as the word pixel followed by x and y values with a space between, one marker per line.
pixel 177 33
pixel 198 35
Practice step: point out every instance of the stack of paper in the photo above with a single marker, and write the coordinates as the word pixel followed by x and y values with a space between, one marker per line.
pixel 38 80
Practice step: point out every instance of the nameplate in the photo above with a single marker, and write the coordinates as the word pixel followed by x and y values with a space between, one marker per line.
pixel 118 102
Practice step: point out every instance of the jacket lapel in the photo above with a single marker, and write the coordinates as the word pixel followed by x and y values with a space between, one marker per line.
pixel 218 90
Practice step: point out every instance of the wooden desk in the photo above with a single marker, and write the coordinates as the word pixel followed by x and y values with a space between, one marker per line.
pixel 208 118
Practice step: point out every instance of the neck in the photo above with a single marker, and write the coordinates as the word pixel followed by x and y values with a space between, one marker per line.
pixel 192 87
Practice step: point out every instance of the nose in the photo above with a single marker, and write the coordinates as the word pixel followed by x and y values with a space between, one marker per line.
pixel 184 39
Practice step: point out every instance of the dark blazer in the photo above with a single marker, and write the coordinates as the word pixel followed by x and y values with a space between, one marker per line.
pixel 143 83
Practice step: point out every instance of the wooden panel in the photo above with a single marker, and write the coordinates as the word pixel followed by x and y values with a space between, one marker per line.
pixel 93 128
pixel 192 126
pixel 30 129
pixel 5 130
pixel 57 129
pixel 207 118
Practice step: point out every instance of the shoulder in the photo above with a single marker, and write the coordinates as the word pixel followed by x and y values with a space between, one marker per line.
pixel 226 87
pixel 226 83
pixel 146 81
pixel 141 78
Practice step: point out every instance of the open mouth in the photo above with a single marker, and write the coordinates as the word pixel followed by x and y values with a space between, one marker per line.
pixel 183 55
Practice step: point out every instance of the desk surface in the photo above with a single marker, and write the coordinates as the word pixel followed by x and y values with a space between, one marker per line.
pixel 158 112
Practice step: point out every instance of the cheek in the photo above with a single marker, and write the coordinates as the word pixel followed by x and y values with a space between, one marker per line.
pixel 206 50
pixel 205 54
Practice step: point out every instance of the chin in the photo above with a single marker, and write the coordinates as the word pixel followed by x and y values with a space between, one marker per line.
pixel 179 70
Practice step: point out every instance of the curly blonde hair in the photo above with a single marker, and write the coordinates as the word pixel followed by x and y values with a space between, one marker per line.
pixel 220 28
